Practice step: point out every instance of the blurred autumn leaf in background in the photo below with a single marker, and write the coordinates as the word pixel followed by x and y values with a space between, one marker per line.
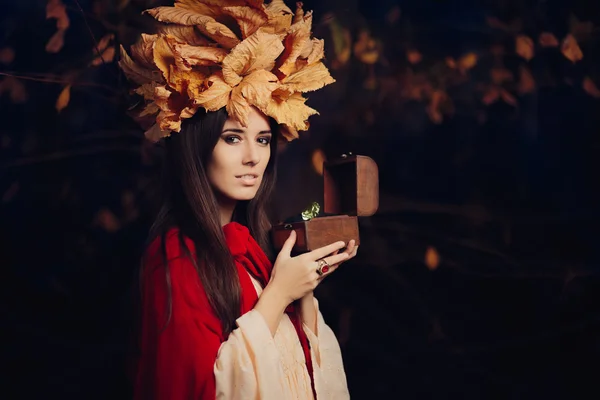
pixel 479 115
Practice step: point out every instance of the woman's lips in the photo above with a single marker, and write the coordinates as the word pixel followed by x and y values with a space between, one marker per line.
pixel 248 179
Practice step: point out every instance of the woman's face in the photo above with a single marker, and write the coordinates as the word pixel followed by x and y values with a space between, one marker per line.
pixel 240 157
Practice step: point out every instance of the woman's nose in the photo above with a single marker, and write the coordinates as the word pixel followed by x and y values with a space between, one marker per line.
pixel 251 154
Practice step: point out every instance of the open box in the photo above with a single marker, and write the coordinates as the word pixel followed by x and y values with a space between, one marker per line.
pixel 351 190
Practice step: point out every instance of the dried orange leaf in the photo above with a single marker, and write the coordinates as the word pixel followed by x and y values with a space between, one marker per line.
pixel 278 7
pixel 590 87
pixel 107 220
pixel 526 81
pixel 143 50
pixel 136 73
pixel 249 19
pixel 200 7
pixel 147 90
pixel 259 51
pixel 312 77
pixel 434 107
pixel 500 75
pixel 570 48
pixel 257 88
pixel 467 61
pixel 154 134
pixel 185 34
pixel 491 95
pixel 432 258
pixel 107 56
pixel 63 98
pixel 414 56
pixel 237 106
pixel 201 55
pixel 548 39
pixel 56 9
pixel 56 42
pixel 217 31
pixel 294 43
pixel 292 112
pixel 216 94
pixel 525 47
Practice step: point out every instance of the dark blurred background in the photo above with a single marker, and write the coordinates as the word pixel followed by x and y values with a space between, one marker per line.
pixel 478 277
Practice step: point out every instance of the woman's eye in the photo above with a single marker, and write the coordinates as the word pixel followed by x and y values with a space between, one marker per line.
pixel 264 140
pixel 232 139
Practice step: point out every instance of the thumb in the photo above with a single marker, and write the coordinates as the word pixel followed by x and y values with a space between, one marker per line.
pixel 286 249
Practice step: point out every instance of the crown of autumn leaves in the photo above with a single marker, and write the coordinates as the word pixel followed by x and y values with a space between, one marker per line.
pixel 227 53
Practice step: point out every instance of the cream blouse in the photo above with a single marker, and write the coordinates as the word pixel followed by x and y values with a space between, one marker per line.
pixel 253 364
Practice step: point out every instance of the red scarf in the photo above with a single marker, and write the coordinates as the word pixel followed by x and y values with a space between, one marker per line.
pixel 250 258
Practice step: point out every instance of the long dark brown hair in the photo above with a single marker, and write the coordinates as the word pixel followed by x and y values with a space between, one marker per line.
pixel 189 204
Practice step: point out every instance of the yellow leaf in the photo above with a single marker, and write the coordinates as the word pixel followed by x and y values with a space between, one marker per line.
pixel 317 51
pixel 308 79
pixel 294 43
pixel 525 47
pixel 200 55
pixel 200 7
pixel 278 7
pixel 548 39
pixel 466 62
pixel 432 258
pixel 526 81
pixel 63 98
pixel 216 95
pixel 414 57
pixel 292 112
pixel 254 89
pixel 249 19
pixel 570 49
pixel 217 31
pixel 590 87
pixel 135 72
pixel 184 34
pixel 143 51
pixel 257 88
pixel 258 51
pixel 7 55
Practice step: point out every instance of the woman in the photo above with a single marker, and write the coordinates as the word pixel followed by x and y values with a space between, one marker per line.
pixel 217 320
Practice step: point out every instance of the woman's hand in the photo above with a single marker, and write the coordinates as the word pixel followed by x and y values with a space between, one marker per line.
pixel 294 277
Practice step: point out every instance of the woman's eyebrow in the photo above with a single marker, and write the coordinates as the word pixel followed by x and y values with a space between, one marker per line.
pixel 236 130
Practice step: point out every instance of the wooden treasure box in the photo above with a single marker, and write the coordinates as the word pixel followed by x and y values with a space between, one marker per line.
pixel 351 190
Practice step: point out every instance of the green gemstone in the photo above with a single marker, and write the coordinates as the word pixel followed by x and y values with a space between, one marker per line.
pixel 311 212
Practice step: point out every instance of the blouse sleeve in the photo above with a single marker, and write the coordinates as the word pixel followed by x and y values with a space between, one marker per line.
pixel 184 358
pixel 328 364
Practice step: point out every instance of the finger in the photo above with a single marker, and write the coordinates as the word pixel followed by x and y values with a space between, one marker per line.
pixel 325 251
pixel 350 247
pixel 336 259
pixel 354 252
pixel 288 245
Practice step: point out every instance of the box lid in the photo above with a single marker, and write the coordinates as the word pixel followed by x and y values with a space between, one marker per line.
pixel 351 186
